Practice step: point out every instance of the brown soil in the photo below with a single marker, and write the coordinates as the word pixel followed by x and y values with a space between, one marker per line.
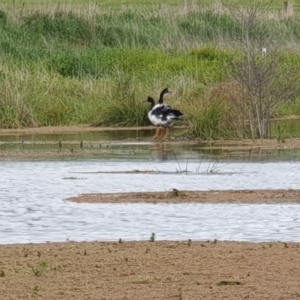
pixel 154 270
pixel 150 270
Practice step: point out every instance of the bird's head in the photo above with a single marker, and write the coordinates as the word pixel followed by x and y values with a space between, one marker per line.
pixel 150 100
pixel 166 90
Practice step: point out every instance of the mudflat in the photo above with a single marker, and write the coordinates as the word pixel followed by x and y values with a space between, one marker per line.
pixel 150 270
pixel 178 196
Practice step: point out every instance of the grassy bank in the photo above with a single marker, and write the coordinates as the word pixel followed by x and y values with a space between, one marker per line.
pixel 64 65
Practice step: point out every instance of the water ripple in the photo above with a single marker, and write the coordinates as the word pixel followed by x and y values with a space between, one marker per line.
pixel 33 206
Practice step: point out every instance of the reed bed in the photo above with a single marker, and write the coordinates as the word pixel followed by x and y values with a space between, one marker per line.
pixel 75 64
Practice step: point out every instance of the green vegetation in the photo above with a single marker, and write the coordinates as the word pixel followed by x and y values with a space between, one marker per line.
pixel 40 269
pixel 62 65
pixel 276 4
pixel 152 238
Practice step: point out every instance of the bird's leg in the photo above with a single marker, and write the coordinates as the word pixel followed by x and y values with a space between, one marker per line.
pixel 161 132
pixel 157 133
pixel 167 133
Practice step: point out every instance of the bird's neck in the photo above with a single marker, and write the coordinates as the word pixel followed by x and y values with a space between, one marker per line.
pixel 161 97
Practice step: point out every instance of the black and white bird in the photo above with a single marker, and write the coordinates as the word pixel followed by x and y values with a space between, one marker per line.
pixel 159 105
pixel 162 116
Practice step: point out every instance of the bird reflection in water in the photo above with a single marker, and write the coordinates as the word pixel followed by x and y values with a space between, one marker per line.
pixel 163 152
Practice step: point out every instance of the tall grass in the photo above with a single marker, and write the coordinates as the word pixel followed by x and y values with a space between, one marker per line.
pixel 93 65
pixel 213 114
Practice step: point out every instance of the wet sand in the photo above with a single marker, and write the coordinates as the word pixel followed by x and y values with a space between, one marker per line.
pixel 178 196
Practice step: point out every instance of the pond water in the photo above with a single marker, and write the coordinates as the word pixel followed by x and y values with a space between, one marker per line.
pixel 34 206
pixel 92 142
pixel 97 145
pixel 33 193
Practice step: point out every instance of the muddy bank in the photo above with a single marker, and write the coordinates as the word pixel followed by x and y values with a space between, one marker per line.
pixel 150 270
pixel 177 196
pixel 65 129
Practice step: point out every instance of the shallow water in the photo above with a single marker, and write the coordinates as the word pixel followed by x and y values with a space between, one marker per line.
pixel 96 144
pixel 33 193
pixel 34 209
pixel 145 151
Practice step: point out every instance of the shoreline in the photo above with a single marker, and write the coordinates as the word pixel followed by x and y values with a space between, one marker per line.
pixel 181 196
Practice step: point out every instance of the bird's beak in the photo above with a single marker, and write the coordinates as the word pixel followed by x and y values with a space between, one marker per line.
pixel 170 91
